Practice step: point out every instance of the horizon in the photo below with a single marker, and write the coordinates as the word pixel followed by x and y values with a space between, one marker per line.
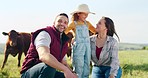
pixel 130 17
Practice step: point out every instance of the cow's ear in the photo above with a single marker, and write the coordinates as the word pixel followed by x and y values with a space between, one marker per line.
pixel 4 33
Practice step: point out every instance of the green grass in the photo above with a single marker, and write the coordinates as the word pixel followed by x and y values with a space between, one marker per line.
pixel 134 65
pixel 11 70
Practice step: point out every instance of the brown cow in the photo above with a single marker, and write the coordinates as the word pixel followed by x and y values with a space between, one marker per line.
pixel 17 43
pixel 70 35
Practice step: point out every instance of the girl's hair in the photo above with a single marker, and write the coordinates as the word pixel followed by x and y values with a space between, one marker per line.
pixel 110 27
pixel 75 17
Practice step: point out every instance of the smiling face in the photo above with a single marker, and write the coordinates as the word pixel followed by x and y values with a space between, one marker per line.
pixel 100 26
pixel 61 23
pixel 82 16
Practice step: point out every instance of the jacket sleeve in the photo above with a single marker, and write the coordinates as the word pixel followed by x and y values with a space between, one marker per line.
pixel 91 27
pixel 114 58
pixel 71 26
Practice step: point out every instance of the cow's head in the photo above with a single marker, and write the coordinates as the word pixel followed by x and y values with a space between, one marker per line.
pixel 11 50
pixel 12 37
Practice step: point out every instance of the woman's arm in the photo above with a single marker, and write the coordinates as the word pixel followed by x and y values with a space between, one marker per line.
pixel 115 59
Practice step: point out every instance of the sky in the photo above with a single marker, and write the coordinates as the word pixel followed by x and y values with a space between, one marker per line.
pixel 130 16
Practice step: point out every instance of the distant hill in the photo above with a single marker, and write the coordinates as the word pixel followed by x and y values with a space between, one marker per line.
pixel 131 46
pixel 122 46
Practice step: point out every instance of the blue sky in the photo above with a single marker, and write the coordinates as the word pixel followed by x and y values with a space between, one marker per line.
pixel 130 16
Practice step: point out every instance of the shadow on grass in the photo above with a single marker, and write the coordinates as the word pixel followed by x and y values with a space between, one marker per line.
pixel 129 68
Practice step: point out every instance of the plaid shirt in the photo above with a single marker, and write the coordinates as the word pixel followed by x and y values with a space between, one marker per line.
pixel 108 56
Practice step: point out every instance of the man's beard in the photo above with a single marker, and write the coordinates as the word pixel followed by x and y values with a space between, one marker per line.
pixel 60 29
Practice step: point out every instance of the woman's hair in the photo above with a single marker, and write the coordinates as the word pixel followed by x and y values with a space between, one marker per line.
pixel 110 27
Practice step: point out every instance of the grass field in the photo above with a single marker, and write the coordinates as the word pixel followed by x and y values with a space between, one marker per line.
pixel 134 65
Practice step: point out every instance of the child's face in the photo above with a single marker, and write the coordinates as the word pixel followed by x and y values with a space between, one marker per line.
pixel 82 16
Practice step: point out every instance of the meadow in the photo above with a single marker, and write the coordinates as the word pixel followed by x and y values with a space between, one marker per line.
pixel 134 64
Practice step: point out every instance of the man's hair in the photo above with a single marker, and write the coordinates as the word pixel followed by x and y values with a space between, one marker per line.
pixel 63 14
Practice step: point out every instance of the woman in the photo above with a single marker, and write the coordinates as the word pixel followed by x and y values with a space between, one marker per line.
pixel 104 51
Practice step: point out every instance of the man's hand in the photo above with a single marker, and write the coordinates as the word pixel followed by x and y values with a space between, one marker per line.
pixel 69 74
pixel 111 76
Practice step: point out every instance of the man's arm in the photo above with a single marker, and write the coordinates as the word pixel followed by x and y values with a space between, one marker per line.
pixel 64 61
pixel 49 59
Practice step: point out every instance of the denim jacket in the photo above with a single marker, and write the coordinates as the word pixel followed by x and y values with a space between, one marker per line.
pixel 108 56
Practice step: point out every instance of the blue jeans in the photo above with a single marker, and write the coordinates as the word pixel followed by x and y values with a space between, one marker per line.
pixel 103 72
pixel 42 70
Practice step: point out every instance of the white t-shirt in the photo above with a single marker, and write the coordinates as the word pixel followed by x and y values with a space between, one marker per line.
pixel 43 39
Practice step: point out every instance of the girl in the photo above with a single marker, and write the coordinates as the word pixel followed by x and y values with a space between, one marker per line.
pixel 81 45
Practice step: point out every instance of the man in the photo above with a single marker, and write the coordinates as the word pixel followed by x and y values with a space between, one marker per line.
pixel 47 52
